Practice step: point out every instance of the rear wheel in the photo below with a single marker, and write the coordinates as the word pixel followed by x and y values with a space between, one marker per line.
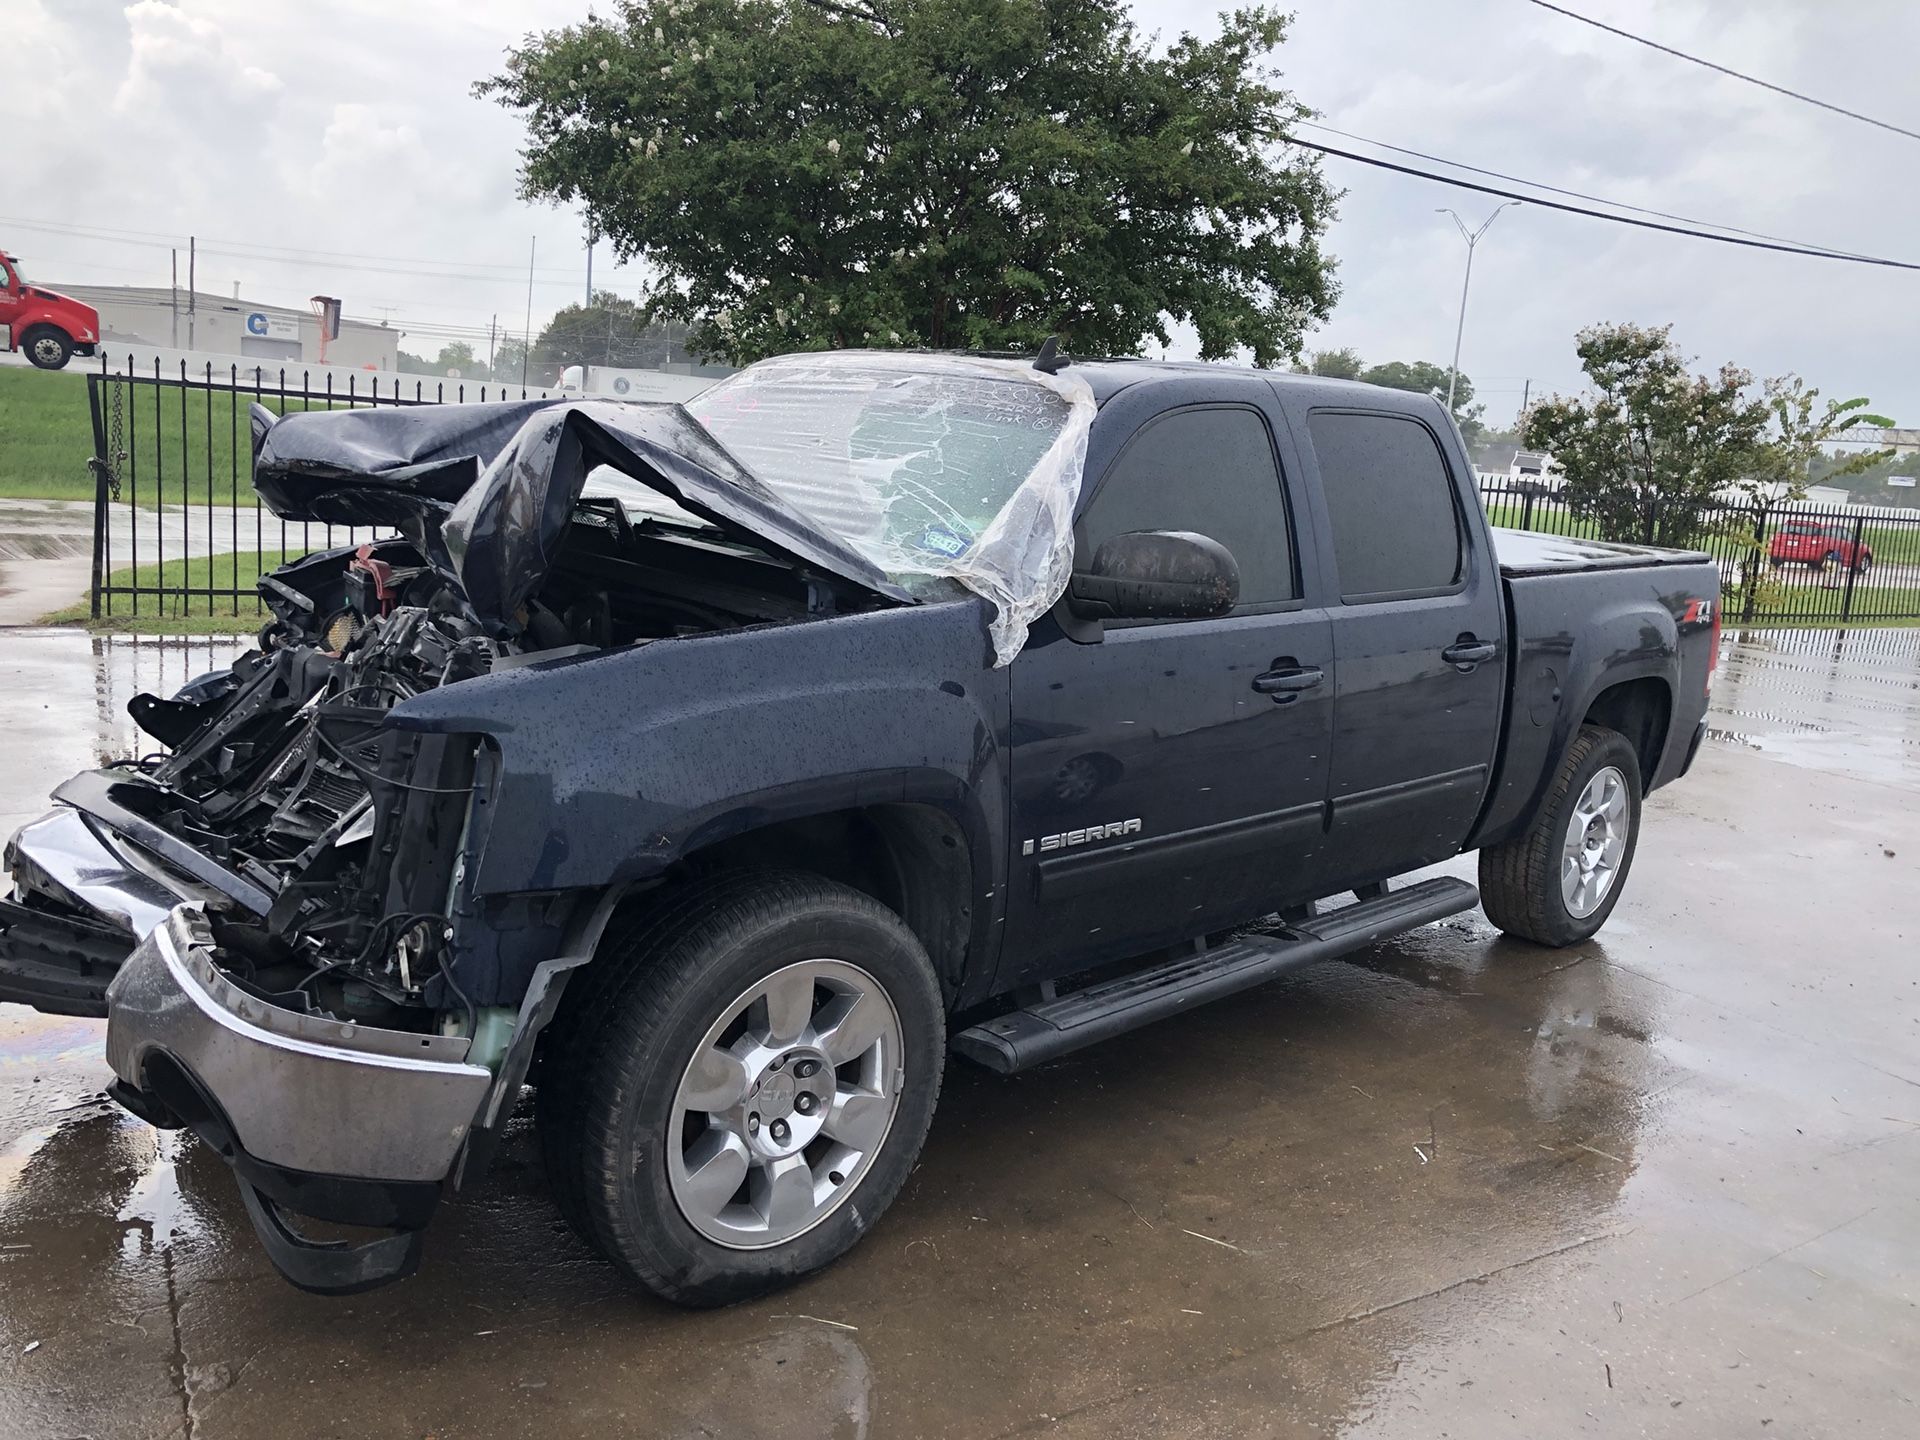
pixel 1558 881
pixel 46 347
pixel 748 1086
pixel 1863 562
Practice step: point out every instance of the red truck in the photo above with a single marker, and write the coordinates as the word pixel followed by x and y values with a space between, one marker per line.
pixel 48 328
pixel 1809 542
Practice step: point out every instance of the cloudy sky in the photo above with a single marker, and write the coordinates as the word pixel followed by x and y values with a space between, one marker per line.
pixel 332 146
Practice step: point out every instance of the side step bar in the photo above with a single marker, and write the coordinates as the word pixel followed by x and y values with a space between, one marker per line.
pixel 1052 1028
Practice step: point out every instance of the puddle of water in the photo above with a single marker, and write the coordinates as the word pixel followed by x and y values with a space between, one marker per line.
pixel 26 1036
pixel 18 1155
pixel 156 1204
pixel 1846 702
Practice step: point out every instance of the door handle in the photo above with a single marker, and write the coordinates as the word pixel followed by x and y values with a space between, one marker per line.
pixel 1285 684
pixel 1468 652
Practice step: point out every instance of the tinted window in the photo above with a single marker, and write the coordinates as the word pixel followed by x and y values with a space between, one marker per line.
pixel 1210 471
pixel 1395 527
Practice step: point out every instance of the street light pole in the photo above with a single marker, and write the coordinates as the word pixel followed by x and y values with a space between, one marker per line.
pixel 1472 237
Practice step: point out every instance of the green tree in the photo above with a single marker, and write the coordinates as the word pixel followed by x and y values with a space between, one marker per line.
pixel 410 364
pixel 507 356
pixel 1838 468
pixel 1423 377
pixel 978 173
pixel 612 331
pixel 456 356
pixel 1802 434
pixel 1649 448
pixel 1335 364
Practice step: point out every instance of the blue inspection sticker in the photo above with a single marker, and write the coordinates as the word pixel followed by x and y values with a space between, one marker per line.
pixel 944 542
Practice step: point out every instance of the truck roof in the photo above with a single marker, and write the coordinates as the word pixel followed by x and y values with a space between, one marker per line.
pixel 1106 378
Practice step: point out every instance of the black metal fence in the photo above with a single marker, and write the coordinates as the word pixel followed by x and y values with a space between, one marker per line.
pixel 1780 564
pixel 177 532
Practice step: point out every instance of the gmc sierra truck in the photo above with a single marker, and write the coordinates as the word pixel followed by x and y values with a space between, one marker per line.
pixel 716 768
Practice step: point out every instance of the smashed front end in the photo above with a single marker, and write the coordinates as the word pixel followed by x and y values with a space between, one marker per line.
pixel 277 913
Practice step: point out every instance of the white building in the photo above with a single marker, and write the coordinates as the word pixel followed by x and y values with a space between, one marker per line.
pixel 157 316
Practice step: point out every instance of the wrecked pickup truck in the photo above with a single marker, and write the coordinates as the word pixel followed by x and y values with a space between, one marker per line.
pixel 714 768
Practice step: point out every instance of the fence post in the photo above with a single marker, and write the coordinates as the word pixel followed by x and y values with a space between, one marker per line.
pixel 1754 561
pixel 1526 511
pixel 102 470
pixel 1853 567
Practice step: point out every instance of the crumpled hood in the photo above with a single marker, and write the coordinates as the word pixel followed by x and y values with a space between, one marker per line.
pixel 486 492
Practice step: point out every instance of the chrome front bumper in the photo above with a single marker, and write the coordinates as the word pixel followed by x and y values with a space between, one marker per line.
pixel 296 1092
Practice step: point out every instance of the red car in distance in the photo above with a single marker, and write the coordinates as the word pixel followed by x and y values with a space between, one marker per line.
pixel 1809 542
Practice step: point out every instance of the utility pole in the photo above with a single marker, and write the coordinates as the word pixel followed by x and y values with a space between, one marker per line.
pixel 492 325
pixel 174 338
pixel 589 267
pixel 1472 237
pixel 1526 394
pixel 532 244
pixel 192 288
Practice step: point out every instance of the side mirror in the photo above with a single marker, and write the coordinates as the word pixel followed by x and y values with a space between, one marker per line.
pixel 1156 575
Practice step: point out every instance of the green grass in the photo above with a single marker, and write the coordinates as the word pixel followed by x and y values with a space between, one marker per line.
pixel 182 446
pixel 186 611
pixel 1817 605
pixel 46 437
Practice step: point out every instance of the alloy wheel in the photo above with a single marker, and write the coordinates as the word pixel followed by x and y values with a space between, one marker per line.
pixel 1595 844
pixel 784 1104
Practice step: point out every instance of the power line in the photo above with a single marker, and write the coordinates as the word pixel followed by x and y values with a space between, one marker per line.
pixel 1724 70
pixel 1752 244
pixel 249 249
pixel 1576 194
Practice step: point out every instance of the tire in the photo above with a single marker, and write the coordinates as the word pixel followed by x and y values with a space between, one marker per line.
pixel 1775 561
pixel 1522 881
pixel 1863 562
pixel 46 347
pixel 626 1118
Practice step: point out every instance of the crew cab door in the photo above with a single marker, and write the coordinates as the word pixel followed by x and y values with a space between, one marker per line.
pixel 1418 637
pixel 1169 776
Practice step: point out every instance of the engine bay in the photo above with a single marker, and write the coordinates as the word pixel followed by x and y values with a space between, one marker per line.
pixel 284 770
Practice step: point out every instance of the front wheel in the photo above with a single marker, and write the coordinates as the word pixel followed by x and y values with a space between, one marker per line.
pixel 746 1088
pixel 46 347
pixel 1558 881
pixel 1863 562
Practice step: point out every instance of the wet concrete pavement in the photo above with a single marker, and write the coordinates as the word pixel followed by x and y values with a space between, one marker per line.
pixel 1667 1183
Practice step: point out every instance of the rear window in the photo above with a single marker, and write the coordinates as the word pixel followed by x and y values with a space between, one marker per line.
pixel 1396 528
pixel 1803 529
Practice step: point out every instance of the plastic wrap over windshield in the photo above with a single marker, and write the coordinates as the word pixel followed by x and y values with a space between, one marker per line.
pixel 956 468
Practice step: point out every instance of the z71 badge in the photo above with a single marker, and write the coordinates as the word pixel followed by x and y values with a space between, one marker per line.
pixel 1112 830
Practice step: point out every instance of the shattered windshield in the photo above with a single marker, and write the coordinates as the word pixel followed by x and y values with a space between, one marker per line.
pixel 906 461
pixel 952 467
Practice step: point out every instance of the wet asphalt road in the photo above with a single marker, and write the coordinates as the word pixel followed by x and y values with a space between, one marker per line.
pixel 1667 1183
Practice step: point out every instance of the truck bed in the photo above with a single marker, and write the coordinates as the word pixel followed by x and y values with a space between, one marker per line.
pixel 1529 552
